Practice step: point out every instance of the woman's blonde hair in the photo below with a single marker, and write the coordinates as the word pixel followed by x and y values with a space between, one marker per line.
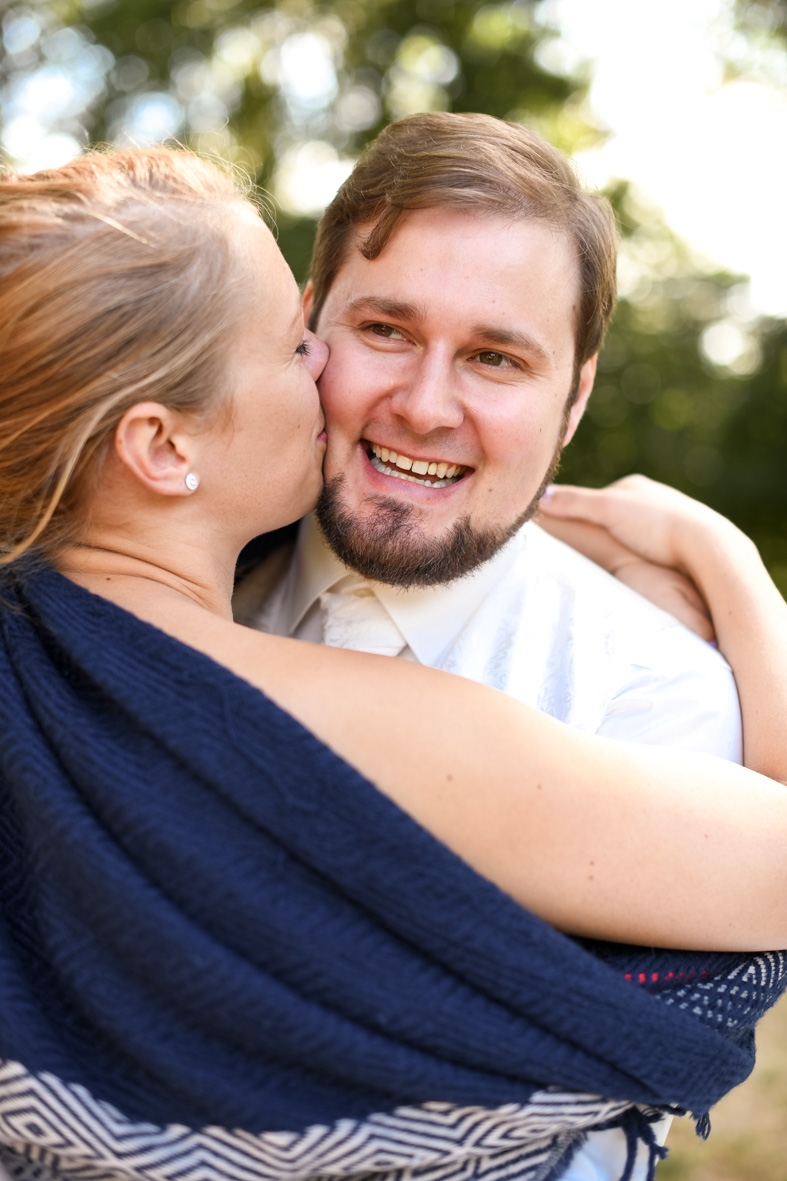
pixel 115 287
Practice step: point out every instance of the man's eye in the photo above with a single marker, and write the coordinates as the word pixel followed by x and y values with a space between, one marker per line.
pixel 496 360
pixel 387 331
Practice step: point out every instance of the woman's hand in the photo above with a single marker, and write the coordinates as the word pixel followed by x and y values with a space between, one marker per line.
pixel 652 521
pixel 749 615
pixel 594 521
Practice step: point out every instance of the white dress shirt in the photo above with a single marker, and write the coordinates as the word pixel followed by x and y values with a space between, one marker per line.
pixel 555 631
pixel 543 624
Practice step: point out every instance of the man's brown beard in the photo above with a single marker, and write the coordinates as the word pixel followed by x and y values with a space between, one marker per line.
pixel 389 545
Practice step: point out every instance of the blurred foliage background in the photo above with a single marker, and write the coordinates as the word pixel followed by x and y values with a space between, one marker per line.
pixel 692 385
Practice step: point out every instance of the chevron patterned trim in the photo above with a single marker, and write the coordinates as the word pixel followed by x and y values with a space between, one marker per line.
pixel 50 1129
pixel 726 1001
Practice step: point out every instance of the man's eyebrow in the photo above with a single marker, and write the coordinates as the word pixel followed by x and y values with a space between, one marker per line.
pixel 395 309
pixel 509 338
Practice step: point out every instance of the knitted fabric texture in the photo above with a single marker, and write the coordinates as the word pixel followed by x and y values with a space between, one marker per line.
pixel 208 918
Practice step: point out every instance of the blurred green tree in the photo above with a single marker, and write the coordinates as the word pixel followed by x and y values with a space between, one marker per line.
pixel 692 387
pixel 762 21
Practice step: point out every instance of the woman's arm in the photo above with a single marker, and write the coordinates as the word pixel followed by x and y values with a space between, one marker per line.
pixel 614 840
pixel 600 838
pixel 749 615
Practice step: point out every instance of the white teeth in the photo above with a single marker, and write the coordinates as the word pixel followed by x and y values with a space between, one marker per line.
pixel 421 467
pixel 379 466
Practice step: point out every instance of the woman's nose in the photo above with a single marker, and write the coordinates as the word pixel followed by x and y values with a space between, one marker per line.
pixel 317 355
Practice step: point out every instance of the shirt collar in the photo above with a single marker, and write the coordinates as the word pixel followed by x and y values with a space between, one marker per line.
pixel 429 618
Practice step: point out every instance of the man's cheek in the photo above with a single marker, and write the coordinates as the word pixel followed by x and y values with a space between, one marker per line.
pixel 341 411
pixel 339 419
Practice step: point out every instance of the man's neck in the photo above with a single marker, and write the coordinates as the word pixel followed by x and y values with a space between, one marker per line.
pixel 429 617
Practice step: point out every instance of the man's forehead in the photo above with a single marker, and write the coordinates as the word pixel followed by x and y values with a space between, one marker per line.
pixel 462 225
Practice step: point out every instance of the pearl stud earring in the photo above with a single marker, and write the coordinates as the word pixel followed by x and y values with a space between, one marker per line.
pixel 192 481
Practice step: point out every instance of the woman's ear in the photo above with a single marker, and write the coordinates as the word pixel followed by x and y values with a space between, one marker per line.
pixel 152 443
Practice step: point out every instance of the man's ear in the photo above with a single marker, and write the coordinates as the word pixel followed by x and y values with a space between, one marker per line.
pixel 152 443
pixel 587 375
pixel 308 301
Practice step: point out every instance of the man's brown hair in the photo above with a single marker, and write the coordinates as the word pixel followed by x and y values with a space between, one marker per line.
pixel 479 163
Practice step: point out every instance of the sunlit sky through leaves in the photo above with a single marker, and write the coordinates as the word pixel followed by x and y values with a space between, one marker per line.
pixel 695 114
pixel 697 117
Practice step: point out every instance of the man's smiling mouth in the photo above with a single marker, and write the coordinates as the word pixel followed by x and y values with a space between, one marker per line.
pixel 432 473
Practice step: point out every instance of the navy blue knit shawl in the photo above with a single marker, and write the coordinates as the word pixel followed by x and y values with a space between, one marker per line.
pixel 207 917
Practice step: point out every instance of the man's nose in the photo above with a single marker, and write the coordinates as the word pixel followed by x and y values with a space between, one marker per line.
pixel 427 398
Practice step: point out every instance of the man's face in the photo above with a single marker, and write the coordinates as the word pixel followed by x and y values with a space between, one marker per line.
pixel 453 350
